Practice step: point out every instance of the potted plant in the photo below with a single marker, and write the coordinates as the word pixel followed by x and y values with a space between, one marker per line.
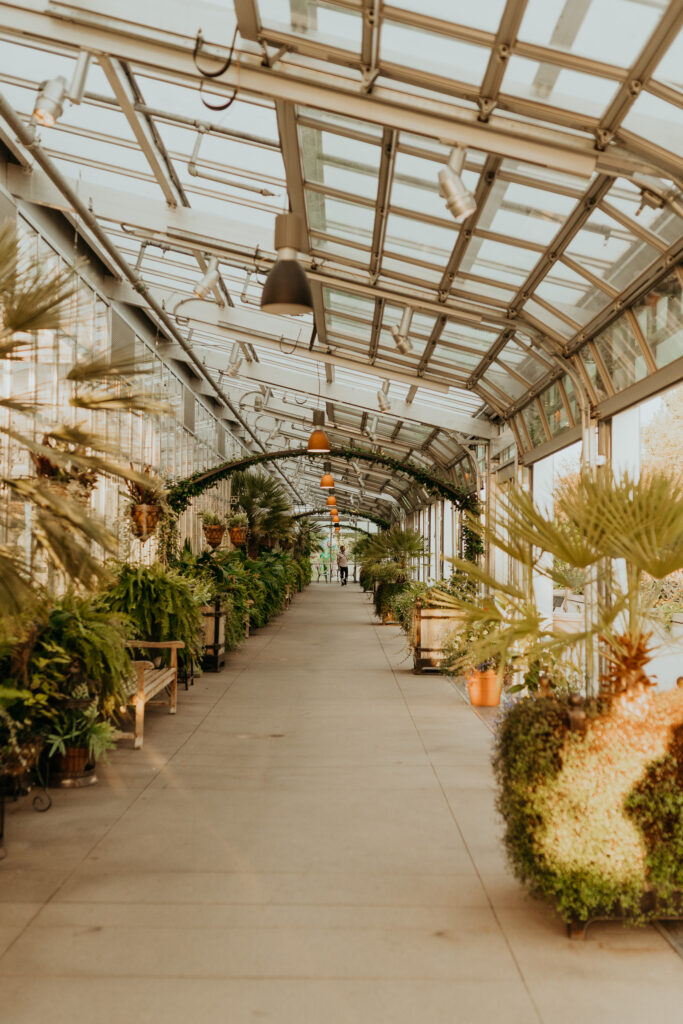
pixel 214 528
pixel 386 561
pixel 145 505
pixel 238 527
pixel 78 737
pixel 589 787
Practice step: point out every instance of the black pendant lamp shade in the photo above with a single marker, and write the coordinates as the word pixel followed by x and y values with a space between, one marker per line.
pixel 287 289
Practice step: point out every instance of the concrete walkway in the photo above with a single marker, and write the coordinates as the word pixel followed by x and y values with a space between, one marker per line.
pixel 311 840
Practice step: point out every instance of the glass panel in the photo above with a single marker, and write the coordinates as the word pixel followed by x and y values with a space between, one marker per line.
pixel 621 354
pixel 657 121
pixel 525 212
pixel 534 424
pixel 429 242
pixel 593 373
pixel 612 31
pixel 555 412
pixel 571 294
pixel 321 22
pixel 338 217
pixel 570 392
pixel 560 87
pixel 660 315
pixel 339 162
pixel 451 58
pixel 485 14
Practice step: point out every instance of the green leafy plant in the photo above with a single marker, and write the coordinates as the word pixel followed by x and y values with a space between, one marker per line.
pixel 264 502
pixel 160 603
pixel 212 519
pixel 238 517
pixel 81 726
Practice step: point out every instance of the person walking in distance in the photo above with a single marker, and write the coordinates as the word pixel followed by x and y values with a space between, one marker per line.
pixel 343 566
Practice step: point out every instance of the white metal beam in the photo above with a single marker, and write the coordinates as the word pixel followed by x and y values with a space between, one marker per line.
pixel 309 384
pixel 171 52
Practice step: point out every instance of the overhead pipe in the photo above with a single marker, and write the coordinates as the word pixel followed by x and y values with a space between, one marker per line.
pixel 26 136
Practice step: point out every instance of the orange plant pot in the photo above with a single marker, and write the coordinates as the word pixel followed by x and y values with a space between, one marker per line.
pixel 144 520
pixel 484 689
pixel 214 534
pixel 238 534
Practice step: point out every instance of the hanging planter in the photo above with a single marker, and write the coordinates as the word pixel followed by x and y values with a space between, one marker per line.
pixel 145 519
pixel 214 529
pixel 238 527
pixel 145 506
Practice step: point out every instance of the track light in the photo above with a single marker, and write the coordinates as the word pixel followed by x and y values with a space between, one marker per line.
pixel 318 441
pixel 209 281
pixel 49 104
pixel 286 289
pixel 383 400
pixel 400 333
pixel 234 363
pixel 459 200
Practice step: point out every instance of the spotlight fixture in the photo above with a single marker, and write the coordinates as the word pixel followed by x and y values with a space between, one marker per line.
pixel 286 289
pixel 459 200
pixel 383 401
pixel 400 333
pixel 235 361
pixel 209 281
pixel 327 480
pixel 318 441
pixel 49 104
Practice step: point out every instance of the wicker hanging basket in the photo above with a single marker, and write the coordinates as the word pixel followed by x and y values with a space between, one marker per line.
pixel 145 519
pixel 214 534
pixel 238 535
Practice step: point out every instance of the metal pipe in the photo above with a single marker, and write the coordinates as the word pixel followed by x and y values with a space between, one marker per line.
pixel 27 138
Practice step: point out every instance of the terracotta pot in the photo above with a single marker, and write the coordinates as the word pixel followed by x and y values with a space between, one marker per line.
pixel 214 534
pixel 145 519
pixel 238 534
pixel 484 689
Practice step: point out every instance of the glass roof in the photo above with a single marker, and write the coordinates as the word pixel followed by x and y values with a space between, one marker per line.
pixel 575 171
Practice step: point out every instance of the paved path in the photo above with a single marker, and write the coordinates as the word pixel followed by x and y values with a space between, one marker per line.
pixel 310 841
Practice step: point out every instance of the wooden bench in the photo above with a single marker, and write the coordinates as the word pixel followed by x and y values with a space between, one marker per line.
pixel 152 681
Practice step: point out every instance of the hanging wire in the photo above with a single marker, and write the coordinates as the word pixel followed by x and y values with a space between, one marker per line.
pixel 198 46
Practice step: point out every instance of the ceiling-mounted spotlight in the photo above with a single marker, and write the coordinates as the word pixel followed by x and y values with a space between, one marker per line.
pixel 209 281
pixel 52 93
pixel 459 200
pixel 327 480
pixel 235 361
pixel 286 289
pixel 383 400
pixel 400 333
pixel 318 441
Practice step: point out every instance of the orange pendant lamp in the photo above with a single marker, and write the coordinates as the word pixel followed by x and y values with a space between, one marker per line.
pixel 331 500
pixel 318 441
pixel 327 480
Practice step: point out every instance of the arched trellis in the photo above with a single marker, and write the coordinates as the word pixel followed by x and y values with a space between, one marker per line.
pixel 181 493
pixel 383 524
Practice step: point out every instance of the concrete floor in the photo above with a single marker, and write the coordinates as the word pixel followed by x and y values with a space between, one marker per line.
pixel 311 840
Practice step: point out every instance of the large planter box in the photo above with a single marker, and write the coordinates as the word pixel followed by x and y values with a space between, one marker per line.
pixel 214 637
pixel 430 628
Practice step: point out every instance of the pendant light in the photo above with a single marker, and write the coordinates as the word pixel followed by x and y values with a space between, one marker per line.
pixel 318 441
pixel 287 289
pixel 327 479
pixel 331 500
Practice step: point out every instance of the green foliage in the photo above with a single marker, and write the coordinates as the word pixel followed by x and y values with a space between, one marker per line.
pixel 212 519
pixel 267 508
pixel 81 727
pixel 160 603
pixel 183 491
pixel 386 592
pixel 594 819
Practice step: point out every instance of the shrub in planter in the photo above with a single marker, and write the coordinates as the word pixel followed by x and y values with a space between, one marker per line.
pixel 594 815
